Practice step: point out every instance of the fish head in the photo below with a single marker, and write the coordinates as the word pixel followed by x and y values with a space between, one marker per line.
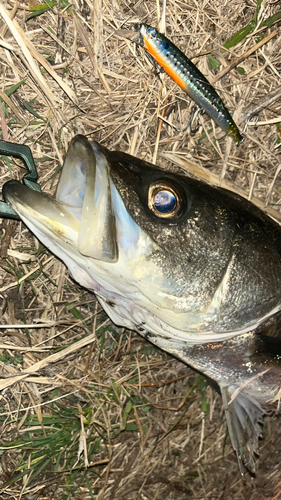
pixel 164 253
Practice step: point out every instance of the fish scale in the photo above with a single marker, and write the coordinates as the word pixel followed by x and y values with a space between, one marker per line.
pixel 185 74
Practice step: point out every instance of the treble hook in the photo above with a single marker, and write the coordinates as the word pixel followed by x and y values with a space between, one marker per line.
pixel 194 110
pixel 249 119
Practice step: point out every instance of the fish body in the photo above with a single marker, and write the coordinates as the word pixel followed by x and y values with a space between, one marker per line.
pixel 193 268
pixel 185 74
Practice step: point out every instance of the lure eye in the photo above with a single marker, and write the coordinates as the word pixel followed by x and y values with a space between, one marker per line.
pixel 165 200
pixel 151 32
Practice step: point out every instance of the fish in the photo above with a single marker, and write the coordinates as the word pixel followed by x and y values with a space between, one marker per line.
pixel 177 65
pixel 194 269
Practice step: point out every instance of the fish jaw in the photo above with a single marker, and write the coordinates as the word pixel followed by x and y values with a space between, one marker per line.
pixel 55 227
pixel 81 215
pixel 51 217
pixel 92 199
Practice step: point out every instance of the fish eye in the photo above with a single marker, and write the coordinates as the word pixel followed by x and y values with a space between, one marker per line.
pixel 165 200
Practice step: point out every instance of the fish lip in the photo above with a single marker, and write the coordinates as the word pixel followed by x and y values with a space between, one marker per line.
pixel 34 205
pixel 6 187
pixel 97 235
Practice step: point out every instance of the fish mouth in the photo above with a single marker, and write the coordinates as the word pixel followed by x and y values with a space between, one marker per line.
pixel 82 216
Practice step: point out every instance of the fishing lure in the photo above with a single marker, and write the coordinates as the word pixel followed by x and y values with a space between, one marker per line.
pixel 185 74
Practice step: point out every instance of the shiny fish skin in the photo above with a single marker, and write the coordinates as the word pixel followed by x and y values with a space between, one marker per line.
pixel 185 74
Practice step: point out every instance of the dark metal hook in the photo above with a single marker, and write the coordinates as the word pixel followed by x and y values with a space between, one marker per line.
pixel 194 111
pixel 249 119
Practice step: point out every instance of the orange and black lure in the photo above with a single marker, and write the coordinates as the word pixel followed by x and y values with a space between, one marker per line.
pixel 185 74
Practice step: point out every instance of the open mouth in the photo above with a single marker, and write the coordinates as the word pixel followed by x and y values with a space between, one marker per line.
pixel 87 212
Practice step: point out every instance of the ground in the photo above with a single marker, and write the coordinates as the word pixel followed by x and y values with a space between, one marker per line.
pixel 89 410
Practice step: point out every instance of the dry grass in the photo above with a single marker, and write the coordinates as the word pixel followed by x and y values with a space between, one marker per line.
pixel 139 425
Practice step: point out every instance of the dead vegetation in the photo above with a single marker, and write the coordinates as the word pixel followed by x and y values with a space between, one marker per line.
pixel 88 410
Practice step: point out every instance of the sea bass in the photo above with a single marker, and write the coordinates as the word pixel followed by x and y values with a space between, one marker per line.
pixel 194 269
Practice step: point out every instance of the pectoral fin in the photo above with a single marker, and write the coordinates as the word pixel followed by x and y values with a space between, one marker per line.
pixel 244 416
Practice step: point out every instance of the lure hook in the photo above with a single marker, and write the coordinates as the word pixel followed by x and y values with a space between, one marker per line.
pixel 193 131
pixel 248 119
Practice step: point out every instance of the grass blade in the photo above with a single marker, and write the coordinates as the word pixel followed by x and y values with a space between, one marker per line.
pixel 238 36
pixel 271 20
